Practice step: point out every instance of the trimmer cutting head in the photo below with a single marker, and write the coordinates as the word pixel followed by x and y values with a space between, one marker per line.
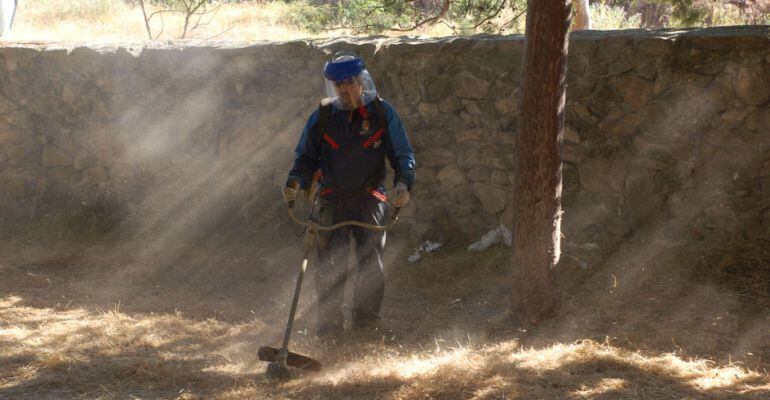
pixel 272 355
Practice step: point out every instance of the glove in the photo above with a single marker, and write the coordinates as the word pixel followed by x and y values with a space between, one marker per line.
pixel 289 192
pixel 400 194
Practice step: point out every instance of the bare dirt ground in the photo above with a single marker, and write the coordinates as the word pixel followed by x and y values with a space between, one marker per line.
pixel 114 319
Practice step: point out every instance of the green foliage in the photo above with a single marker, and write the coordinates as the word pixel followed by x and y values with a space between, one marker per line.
pixel 375 16
pixel 486 15
pixel 686 13
pixel 370 16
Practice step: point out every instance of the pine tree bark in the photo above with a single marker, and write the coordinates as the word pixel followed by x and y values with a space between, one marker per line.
pixel 537 188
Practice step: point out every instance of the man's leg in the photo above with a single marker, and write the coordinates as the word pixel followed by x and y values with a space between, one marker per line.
pixel 369 288
pixel 330 273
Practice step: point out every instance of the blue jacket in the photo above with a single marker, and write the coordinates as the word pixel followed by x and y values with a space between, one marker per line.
pixel 351 153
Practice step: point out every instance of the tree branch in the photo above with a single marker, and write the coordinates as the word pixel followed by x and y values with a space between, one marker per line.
pixel 162 26
pixel 493 15
pixel 450 26
pixel 213 11
pixel 146 20
pixel 221 33
pixel 513 20
pixel 359 28
pixel 191 8
pixel 441 13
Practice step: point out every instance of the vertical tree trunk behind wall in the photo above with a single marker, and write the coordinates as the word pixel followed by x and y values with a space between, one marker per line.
pixel 582 15
pixel 537 196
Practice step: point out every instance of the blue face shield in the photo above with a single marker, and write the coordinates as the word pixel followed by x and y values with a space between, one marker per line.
pixel 348 83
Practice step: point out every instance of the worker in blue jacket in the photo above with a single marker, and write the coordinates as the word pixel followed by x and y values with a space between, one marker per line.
pixel 348 138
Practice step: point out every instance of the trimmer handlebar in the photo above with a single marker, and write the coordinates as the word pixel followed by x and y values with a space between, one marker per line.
pixel 318 227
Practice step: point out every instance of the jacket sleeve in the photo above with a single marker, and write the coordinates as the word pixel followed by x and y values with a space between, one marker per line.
pixel 307 154
pixel 398 149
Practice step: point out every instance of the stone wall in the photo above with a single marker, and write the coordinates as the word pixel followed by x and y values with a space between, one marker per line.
pixel 666 131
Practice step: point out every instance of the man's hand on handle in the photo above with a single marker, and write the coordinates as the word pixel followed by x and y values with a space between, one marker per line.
pixel 290 191
pixel 400 195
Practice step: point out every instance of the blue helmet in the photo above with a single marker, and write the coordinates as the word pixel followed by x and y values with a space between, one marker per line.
pixel 348 83
pixel 343 66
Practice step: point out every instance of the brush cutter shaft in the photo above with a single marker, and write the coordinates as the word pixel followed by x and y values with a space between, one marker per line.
pixel 287 335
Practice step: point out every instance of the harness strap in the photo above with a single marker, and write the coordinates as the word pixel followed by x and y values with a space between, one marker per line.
pixel 331 141
pixel 379 111
pixel 378 195
pixel 324 115
pixel 377 135
pixel 363 113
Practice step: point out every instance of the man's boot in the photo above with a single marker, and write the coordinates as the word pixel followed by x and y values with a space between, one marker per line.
pixel 366 322
pixel 330 327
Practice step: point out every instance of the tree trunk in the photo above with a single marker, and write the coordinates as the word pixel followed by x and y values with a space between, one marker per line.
pixel 582 15
pixel 537 189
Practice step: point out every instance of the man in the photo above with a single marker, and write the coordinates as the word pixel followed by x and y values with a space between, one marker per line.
pixel 348 138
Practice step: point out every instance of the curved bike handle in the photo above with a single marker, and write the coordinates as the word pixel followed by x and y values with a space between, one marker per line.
pixel 319 227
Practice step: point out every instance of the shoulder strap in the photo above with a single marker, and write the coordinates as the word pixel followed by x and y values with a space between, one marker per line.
pixel 324 115
pixel 379 110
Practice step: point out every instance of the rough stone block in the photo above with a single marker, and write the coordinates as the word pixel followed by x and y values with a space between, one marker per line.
pixel 428 111
pixel 479 173
pixel 635 91
pixel 646 192
pixel 425 174
pixel 439 88
pixel 751 77
pixel 437 157
pixel 735 116
pixel 570 135
pixel 500 177
pixel 467 85
pixel 493 197
pixel 466 135
pixel 451 176
pixel 759 120
pixel 600 175
pixel 507 105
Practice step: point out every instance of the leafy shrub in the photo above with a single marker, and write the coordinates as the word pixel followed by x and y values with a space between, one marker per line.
pixel 360 16
pixel 722 13
pixel 606 16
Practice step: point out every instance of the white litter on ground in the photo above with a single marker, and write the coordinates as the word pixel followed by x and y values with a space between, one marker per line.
pixel 426 247
pixel 499 235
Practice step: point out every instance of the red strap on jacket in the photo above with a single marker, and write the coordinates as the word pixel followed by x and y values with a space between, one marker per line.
pixel 331 141
pixel 363 113
pixel 326 191
pixel 378 195
pixel 377 135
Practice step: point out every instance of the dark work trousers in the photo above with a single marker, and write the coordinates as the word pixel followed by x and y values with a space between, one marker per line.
pixel 331 262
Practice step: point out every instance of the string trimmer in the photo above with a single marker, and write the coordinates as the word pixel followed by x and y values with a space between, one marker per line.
pixel 281 359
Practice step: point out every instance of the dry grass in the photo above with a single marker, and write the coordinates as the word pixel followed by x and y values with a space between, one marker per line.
pixel 113 20
pixel 69 353
pixel 57 343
